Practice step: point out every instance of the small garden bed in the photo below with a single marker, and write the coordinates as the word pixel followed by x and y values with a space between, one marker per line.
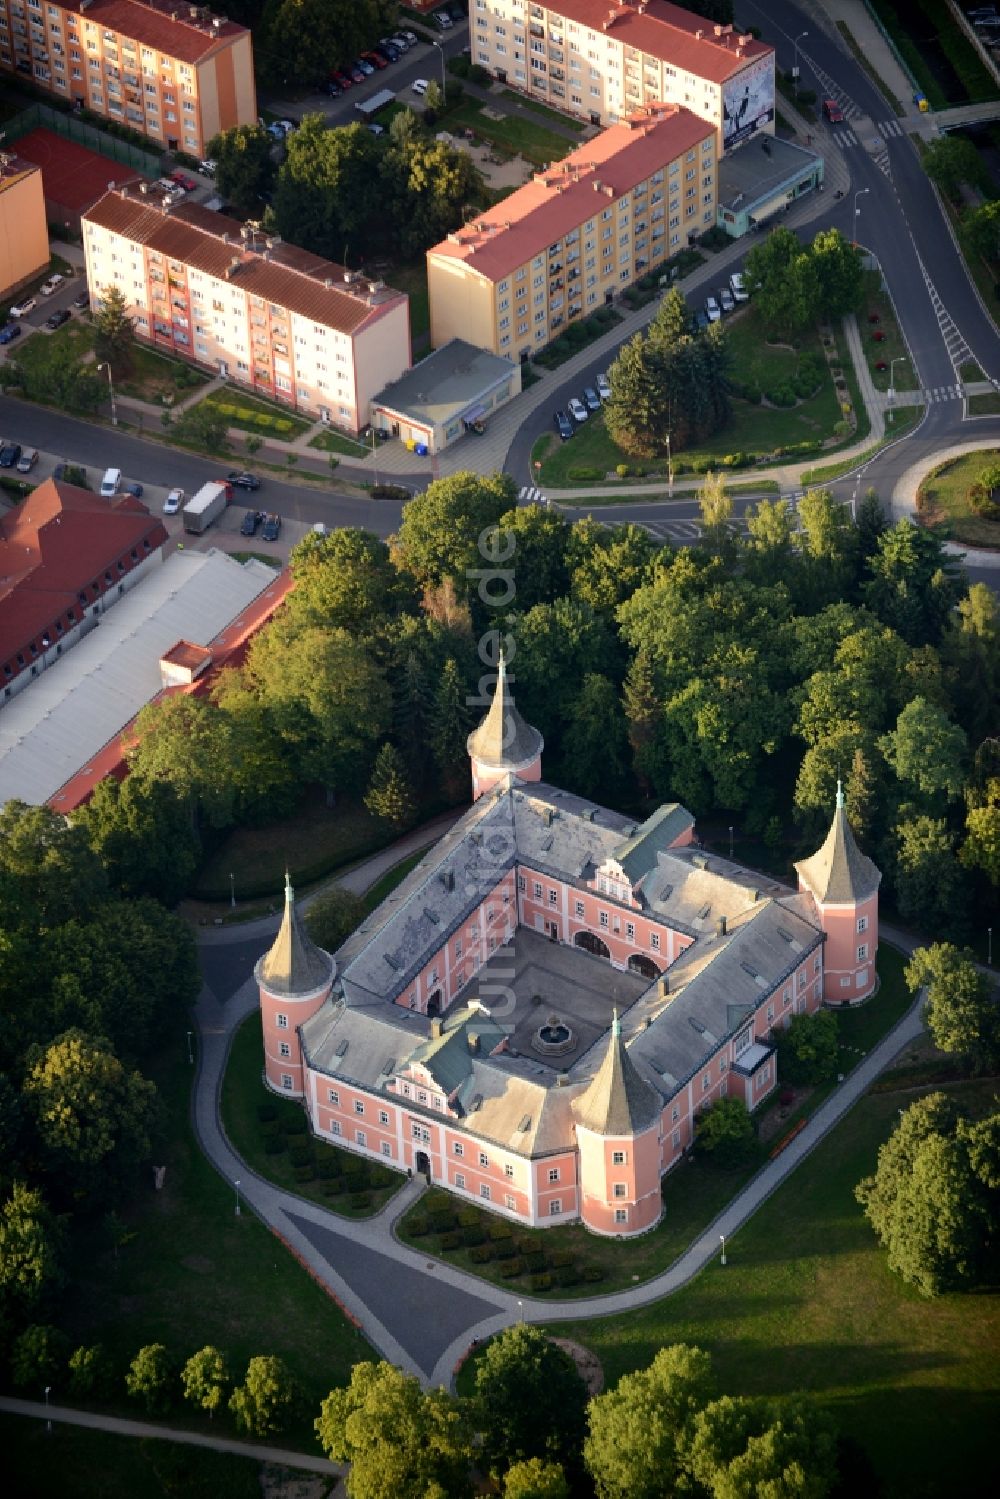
pixel 881 339
pixel 251 414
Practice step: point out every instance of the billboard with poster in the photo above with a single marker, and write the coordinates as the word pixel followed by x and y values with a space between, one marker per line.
pixel 748 101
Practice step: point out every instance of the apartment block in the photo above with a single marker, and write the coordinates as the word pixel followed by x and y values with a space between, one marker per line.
pixel 24 235
pixel 267 315
pixel 579 232
pixel 601 60
pixel 174 72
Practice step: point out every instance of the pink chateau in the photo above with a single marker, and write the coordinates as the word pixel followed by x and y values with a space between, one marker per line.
pixel 536 1016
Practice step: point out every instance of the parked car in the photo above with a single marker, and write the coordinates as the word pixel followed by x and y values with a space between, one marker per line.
pixel 699 320
pixel 240 479
pixel 342 80
pixel 184 181
pixel 389 50
pixel 563 425
pixel 833 112
pixel 271 527
pixel 56 319
pixel 251 521
pixel 82 301
pixel 375 58
pixel 410 38
pixel 208 166
pixel 52 284
pixel 333 89
pixel 27 460
pixel 726 299
pixel 173 502
pixel 419 86
pixel 443 19
pixel 401 40
pixel 738 287
pixel 603 388
pixel 21 309
pixel 9 332
pixel 134 488
pixel 592 399
pixel 577 409
pixel 358 74
pixel 10 452
pixel 712 310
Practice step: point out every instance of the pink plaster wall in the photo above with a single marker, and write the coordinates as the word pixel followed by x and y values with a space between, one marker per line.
pixel 295 1012
pixel 638 1175
pixel 539 912
pixel 484 777
pixel 850 978
pixel 489 926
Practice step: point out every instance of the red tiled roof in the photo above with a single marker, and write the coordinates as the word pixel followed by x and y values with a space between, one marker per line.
pixel 669 33
pixel 59 541
pixel 574 189
pixel 166 25
pixel 209 242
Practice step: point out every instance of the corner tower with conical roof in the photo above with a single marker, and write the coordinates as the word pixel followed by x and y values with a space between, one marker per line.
pixel 503 744
pixel 618 1139
pixel 294 977
pixel 844 884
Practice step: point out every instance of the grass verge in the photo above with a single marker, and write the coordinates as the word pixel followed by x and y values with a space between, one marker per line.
pixel 807 1303
pixel 943 501
pixel 984 405
pixel 882 340
pixel 194 1273
pixel 340 1181
pixel 251 414
pixel 329 441
pixel 514 133
pixel 656 496
pixel 693 1193
pixel 523 102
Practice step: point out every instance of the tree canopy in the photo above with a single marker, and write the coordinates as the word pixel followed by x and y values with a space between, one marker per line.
pixel 530 1400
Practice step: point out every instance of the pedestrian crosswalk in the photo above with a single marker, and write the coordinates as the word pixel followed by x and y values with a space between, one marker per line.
pixel 942 393
pixel 845 137
pixel 891 128
pixel 531 496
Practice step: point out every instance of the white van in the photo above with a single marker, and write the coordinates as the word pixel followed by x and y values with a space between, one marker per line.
pixel 111 483
pixel 736 286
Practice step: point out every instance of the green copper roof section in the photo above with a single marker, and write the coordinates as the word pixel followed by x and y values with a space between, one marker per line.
pixel 638 854
pixel 294 965
pixel 503 740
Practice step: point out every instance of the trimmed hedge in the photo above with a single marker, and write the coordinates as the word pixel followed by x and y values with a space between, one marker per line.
pixel 267 1112
pixel 300 1155
pixel 469 1218
pixel 417 1228
pixel 499 1230
pixel 360 1201
pixel 296 1125
pixel 451 1240
pixel 333 1186
pixel 275 1146
pixel 473 1236
pixel 304 1173
pixel 512 1267
pixel 541 1282
pixel 481 1254
pixel 558 1259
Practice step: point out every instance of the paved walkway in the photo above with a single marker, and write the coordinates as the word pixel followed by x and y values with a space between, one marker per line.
pixel 420 1312
pixel 872 42
pixel 124 1428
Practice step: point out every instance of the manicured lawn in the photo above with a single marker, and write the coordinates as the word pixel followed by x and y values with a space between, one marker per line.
pixel 943 505
pixel 329 441
pixel 984 405
pixel 76 336
pixel 806 1302
pixel 693 1193
pixel 252 414
pixel 314 840
pixel 542 109
pixel 243 1092
pixel 152 376
pixel 98 1465
pixel 194 1273
pixel 891 345
pixel 515 133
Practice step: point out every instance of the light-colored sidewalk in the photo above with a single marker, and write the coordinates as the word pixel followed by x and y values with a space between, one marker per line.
pixel 119 1426
pixel 872 42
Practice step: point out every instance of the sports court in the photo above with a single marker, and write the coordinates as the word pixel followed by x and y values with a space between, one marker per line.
pixel 73 177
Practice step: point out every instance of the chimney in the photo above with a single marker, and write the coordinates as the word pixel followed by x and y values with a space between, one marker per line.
pixel 437 1028
pixel 720 927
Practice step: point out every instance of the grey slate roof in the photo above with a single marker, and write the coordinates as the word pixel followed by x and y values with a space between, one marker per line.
pixel 503 740
pixel 618 1101
pixel 294 965
pixel 838 873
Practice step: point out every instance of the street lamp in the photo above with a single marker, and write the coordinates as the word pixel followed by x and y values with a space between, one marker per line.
pixel 520 1311
pixel 48 1419
pixel 237 1198
pixel 441 50
pixel 795 65
pixel 670 468
pixel 111 388
pixel 375 453
pixel 722 1240
pixel 232 889
pixel 730 843
pixel 989 947
pixel 190 1049
pixel 859 194
pixel 892 370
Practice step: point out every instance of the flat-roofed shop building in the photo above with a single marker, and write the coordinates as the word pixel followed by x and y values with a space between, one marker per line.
pixel 265 314
pixel 601 60
pixel 174 72
pixel 453 391
pixel 580 232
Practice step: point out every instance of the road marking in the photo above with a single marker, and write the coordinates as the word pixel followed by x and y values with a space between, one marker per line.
pixel 891 128
pixel 531 496
pixel 954 342
pixel 845 138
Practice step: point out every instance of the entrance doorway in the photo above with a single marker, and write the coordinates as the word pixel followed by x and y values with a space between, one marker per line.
pixel 423 1164
pixel 639 963
pixel 592 944
pixel 434 1003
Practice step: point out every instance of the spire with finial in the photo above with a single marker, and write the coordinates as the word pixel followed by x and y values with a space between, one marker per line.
pixel 618 1101
pixel 294 965
pixel 838 873
pixel 504 744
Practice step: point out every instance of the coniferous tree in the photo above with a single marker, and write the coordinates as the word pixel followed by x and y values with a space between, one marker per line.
pixel 411 717
pixel 861 800
pixel 449 730
pixel 390 795
pixel 643 713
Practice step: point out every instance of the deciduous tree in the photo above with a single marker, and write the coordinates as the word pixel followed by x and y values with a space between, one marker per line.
pixel 90 1370
pixel 927 751
pixel 807 1048
pixel 961 1009
pixel 150 1378
pixel 449 532
pixel 634 1449
pixel 333 916
pixel 930 883
pixel 244 166
pixel 742 1448
pixel 725 1132
pixel 264 1402
pixel 32 1243
pixel 950 161
pixel 39 1356
pixel 140 828
pixel 530 1400
pixel 535 1479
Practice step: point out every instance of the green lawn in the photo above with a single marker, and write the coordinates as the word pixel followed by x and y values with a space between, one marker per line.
pixel 104 1466
pixel 329 441
pixel 313 841
pixel 943 505
pixel 542 109
pixel 891 346
pixel 153 376
pixel 984 405
pixel 252 414
pixel 693 1193
pixel 412 278
pixel 514 133
pixel 77 336
pixel 806 1302
pixel 195 1273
